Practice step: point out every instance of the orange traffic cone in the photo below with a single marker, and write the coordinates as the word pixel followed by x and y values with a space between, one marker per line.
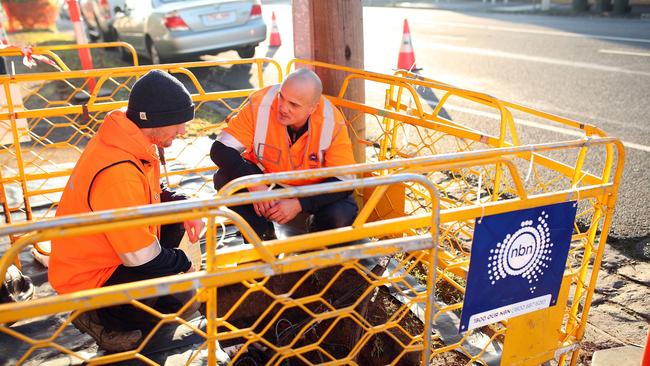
pixel 275 34
pixel 406 60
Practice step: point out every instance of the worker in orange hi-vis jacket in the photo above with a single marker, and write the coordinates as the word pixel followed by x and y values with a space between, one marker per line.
pixel 287 127
pixel 120 167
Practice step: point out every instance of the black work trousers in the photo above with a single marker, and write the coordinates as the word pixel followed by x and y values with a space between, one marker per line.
pixel 334 215
pixel 127 317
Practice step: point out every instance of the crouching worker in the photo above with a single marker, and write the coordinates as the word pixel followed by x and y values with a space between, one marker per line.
pixel 284 128
pixel 120 167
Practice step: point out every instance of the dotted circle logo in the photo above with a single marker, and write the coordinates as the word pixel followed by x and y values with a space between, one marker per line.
pixel 525 253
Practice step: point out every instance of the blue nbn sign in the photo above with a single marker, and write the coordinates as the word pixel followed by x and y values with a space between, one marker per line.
pixel 517 263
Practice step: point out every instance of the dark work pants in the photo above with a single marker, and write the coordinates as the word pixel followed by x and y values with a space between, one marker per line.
pixel 337 214
pixel 127 317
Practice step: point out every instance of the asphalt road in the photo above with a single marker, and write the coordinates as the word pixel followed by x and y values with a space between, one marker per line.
pixel 594 70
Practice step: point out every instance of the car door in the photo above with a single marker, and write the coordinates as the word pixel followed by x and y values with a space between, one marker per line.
pixel 130 24
pixel 139 15
pixel 122 22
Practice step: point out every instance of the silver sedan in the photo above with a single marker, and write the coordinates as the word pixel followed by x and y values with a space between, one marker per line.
pixel 166 30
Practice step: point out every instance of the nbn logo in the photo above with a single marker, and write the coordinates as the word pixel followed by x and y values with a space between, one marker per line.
pixel 524 253
pixel 521 252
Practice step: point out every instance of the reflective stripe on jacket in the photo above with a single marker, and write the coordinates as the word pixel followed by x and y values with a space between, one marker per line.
pixel 118 168
pixel 266 142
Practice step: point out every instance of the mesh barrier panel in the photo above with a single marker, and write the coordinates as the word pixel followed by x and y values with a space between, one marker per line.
pixel 387 290
pixel 58 117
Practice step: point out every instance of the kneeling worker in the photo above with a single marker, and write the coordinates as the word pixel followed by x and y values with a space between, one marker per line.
pixel 282 128
pixel 120 167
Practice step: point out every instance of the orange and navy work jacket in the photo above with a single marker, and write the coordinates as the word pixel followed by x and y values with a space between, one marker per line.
pixel 118 168
pixel 265 142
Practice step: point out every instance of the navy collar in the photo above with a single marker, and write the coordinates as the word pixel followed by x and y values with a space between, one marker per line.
pixel 295 135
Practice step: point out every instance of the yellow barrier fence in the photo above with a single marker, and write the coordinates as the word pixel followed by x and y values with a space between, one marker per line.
pixel 325 313
pixel 59 53
pixel 479 166
pixel 38 158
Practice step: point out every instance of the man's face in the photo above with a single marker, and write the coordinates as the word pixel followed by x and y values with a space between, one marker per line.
pixel 295 104
pixel 164 136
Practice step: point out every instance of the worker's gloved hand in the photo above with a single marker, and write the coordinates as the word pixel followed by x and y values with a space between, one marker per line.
pixel 284 210
pixel 193 229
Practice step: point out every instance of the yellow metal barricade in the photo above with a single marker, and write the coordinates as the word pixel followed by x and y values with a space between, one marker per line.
pixel 37 160
pixel 322 314
pixel 70 52
pixel 423 137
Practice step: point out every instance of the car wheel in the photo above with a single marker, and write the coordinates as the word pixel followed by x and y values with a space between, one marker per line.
pixel 246 52
pixel 154 56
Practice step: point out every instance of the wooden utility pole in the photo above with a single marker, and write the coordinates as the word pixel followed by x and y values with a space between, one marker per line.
pixel 332 31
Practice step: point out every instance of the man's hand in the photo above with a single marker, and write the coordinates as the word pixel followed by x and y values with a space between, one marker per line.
pixel 284 210
pixel 193 229
pixel 262 208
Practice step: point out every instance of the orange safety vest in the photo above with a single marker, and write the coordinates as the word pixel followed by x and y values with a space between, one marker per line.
pixel 271 149
pixel 85 262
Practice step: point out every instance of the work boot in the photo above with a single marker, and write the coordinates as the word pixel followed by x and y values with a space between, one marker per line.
pixel 110 340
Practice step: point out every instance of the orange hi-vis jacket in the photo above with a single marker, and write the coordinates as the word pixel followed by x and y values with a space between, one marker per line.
pixel 118 168
pixel 266 142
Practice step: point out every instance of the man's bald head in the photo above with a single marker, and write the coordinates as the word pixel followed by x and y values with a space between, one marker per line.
pixel 307 81
pixel 298 98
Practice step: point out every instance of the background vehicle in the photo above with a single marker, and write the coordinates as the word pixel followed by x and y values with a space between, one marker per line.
pixel 164 30
pixel 99 16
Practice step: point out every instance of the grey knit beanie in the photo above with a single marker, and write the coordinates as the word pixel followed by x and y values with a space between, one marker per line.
pixel 159 99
